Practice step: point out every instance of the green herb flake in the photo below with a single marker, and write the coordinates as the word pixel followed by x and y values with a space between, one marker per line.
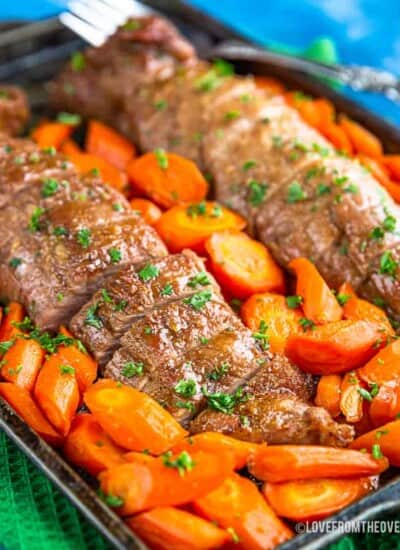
pixel 277 141
pixel 117 207
pixel 92 319
pixel 185 405
pixel 83 236
pixel 225 402
pixel 218 372
pixel 131 25
pixel 343 298
pixel 389 223
pixel 15 262
pixel 376 451
pixel 257 192
pixel 131 369
pixel 70 119
pixel 115 255
pixel 306 324
pixel 60 231
pixel 261 335
pixel 162 158
pixel 232 115
pixel 199 209
pixel 167 290
pixel 200 278
pixel 59 296
pixel 365 394
pixel 183 462
pixel 78 62
pixel 199 300
pixel 161 104
pixel 35 223
pixel 49 188
pixel 67 369
pixel 148 272
pixel 388 264
pixel 186 388
pixel 322 189
pixel 295 193
pixel 294 301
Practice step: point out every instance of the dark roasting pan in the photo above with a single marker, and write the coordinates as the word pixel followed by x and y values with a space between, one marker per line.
pixel 30 55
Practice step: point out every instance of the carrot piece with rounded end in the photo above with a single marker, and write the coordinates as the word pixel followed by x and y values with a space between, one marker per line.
pixel 362 139
pixel 51 134
pixel 335 347
pixel 314 499
pixel 351 400
pixel 385 406
pixel 380 173
pixel 392 163
pixel 318 302
pixel 21 363
pixel 384 367
pixel 237 505
pixel 384 440
pixel 219 444
pixel 56 392
pixel 86 163
pixel 167 179
pixel 15 314
pixel 338 137
pixel 190 226
pixel 356 309
pixel 270 84
pixel 272 312
pixel 104 142
pixel 169 480
pixel 166 528
pixel 326 111
pixel 277 463
pixel 85 366
pixel 23 404
pixel 243 265
pixel 148 210
pixel 70 147
pixel 132 418
pixel 88 446
pixel 328 393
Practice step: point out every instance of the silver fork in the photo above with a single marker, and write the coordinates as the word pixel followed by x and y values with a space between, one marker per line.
pixel 95 20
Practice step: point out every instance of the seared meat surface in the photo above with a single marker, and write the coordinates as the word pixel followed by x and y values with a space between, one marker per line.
pixel 299 196
pixel 14 110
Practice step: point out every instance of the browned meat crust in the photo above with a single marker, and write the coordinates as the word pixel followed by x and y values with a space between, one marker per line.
pixel 14 110
pixel 299 196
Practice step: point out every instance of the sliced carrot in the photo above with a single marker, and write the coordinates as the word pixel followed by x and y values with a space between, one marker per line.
pixel 167 179
pixel 86 163
pixel 104 142
pixel 242 265
pixel 355 309
pixel 147 209
pixel 51 134
pixel 384 440
pixel 351 400
pixel 88 446
pixel 392 163
pixel 70 147
pixel 318 302
pixel 133 456
pixel 380 173
pixel 85 366
pixel 169 480
pixel 328 393
pixel 131 418
pixel 190 226
pixel 238 506
pixel 56 392
pixel 335 347
pixel 362 139
pixel 326 111
pixel 167 528
pixel 219 444
pixel 277 463
pixel 385 405
pixel 337 136
pixel 384 367
pixel 314 499
pixel 270 84
pixel 23 404
pixel 15 314
pixel 272 312
pixel 21 363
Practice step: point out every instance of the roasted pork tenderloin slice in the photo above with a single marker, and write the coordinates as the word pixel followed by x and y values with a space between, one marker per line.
pixel 14 110
pixel 134 292
pixel 272 407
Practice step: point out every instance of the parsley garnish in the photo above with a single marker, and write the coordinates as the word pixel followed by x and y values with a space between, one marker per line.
pixel 83 236
pixel 67 369
pixel 232 115
pixel 376 451
pixel 78 62
pixel 185 405
pixel 323 189
pixel 35 222
pixel 199 300
pixel 183 462
pixel 306 324
pixel 199 279
pixel 343 298
pixel 167 290
pixel 225 402
pixel 214 77
pixel 49 187
pixel 117 207
pixel 195 210
pixel 131 369
pixel 248 165
pixel 257 192
pixel 15 262
pixel 92 319
pixel 218 372
pixel 294 301
pixel 131 25
pixel 148 272
pixel 161 105
pixel 388 264
pixel 162 158
pixel 295 193
pixel 60 231
pixel 115 255
pixel 186 388
pixel 261 336
pixel 69 118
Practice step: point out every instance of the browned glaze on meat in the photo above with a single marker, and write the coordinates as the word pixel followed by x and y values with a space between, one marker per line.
pixel 14 110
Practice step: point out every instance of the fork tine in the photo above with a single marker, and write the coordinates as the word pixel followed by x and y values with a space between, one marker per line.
pixel 128 7
pixel 102 10
pixel 90 16
pixel 83 29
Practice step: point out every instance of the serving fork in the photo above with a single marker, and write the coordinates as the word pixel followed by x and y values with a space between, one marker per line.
pixel 95 20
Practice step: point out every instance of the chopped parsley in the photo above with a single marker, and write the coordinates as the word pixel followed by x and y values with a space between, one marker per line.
pixel 148 330
pixel 161 104
pixel 131 25
pixel 388 264
pixel 343 298
pixel 117 207
pixel 83 236
pixel 92 319
pixel 295 193
pixel 306 324
pixel 78 62
pixel 49 187
pixel 216 211
pixel 323 189
pixel 257 192
pixel 218 372
pixel 277 141
pixel 67 369
pixel 70 119
pixel 199 279
pixel 183 462
pixel 15 262
pixel 185 405
pixel 148 272
pixel 294 301
pixel 232 115
pixel 35 223
pixel 6 345
pixel 225 402
pixel 60 231
pixel 112 500
pixel 162 158
pixel 199 300
pixel 186 388
pixel 59 296
pixel 199 209
pixel 167 290
pixel 248 165
pixel 261 335
pixel 213 78
pixel 376 451
pixel 389 223
pixel 115 255
pixel 131 369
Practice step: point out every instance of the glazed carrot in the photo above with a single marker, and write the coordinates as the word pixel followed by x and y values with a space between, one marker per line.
pixel 104 142
pixel 355 309
pixel 351 400
pixel 23 404
pixel 325 110
pixel 314 499
pixel 272 312
pixel 328 393
pixel 190 226
pixel 277 463
pixel 167 179
pixel 318 302
pixel 21 363
pixel 169 480
pixel 51 134
pixel 70 147
pixel 379 171
pixel 385 405
pixel 166 528
pixel 362 139
pixel 15 314
pixel 384 367
pixel 219 444
pixel 237 505
pixel 270 84
pixel 392 163
pixel 335 347
pixel 131 418
pixel 242 265
pixel 385 441
pixel 86 163
pixel 133 456
pixel 85 366
pixel 56 392
pixel 147 209
pixel 337 136
pixel 88 446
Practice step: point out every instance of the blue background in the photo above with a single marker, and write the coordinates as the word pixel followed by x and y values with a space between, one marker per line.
pixel 364 31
